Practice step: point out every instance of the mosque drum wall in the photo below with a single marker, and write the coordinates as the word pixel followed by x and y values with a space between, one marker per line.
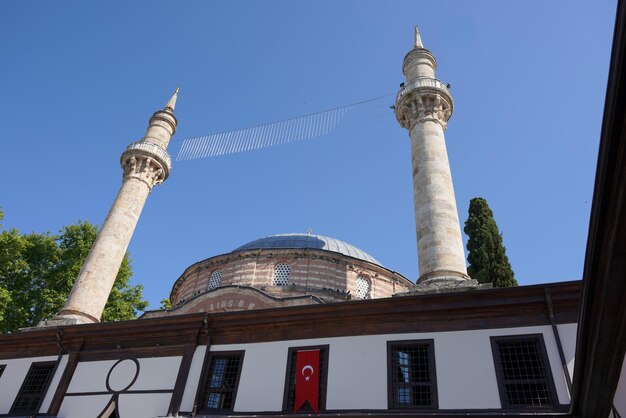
pixel 258 277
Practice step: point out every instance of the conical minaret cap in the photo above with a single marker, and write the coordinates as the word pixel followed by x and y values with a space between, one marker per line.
pixel 171 104
pixel 418 38
pixel 419 62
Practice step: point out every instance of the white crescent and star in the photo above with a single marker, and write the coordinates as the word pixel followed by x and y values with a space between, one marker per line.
pixel 307 367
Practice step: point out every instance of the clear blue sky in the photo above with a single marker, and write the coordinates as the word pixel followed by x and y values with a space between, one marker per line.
pixel 79 81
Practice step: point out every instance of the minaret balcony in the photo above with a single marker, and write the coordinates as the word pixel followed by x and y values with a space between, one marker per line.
pixel 425 85
pixel 151 150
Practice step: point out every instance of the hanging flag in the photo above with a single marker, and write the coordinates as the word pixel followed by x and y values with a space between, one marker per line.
pixel 307 379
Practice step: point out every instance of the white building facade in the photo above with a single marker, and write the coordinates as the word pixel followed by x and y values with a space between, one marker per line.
pixel 492 351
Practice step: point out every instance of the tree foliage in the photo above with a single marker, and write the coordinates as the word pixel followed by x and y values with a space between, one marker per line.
pixel 166 304
pixel 37 272
pixel 488 262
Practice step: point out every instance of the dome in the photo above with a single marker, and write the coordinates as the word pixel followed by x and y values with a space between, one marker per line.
pixel 319 242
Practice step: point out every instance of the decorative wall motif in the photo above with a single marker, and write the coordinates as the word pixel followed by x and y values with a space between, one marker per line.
pixel 363 287
pixel 121 388
pixel 282 272
pixel 143 168
pixel 418 107
pixel 215 279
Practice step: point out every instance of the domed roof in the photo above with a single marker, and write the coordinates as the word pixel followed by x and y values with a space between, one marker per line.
pixel 318 242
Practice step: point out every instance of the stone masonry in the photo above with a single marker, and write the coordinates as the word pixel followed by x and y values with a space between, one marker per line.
pixel 423 106
pixel 316 276
pixel 145 163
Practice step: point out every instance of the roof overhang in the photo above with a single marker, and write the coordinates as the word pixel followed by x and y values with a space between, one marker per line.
pixel 601 341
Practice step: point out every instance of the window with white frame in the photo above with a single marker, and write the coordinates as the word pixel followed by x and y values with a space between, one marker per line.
pixel 215 279
pixel 282 271
pixel 362 288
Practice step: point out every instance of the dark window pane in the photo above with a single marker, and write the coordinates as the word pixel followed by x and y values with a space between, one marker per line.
pixel 33 388
pixel 412 382
pixel 222 381
pixel 523 372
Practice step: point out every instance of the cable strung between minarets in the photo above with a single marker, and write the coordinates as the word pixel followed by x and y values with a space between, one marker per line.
pixel 423 106
pixel 145 163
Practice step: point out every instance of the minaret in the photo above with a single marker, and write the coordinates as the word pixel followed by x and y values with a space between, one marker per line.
pixel 423 106
pixel 144 163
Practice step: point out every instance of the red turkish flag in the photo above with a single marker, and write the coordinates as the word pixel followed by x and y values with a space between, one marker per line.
pixel 307 379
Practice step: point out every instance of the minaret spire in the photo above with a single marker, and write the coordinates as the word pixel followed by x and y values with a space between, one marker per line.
pixel 418 38
pixel 171 103
pixel 423 106
pixel 145 163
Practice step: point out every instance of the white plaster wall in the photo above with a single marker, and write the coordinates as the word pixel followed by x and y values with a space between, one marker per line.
pixel 90 376
pixel 555 364
pixel 619 400
pixel 142 405
pixel 83 406
pixel 193 379
pixel 13 377
pixel 53 384
pixel 157 373
pixel 263 371
pixel 148 405
pixel 466 376
pixel 355 379
pixel 357 375
pixel 567 333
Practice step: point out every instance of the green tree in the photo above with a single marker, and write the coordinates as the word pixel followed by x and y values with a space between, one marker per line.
pixel 488 262
pixel 166 304
pixel 5 296
pixel 37 272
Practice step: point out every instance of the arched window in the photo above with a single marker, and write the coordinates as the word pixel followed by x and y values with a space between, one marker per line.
pixel 282 271
pixel 362 287
pixel 215 279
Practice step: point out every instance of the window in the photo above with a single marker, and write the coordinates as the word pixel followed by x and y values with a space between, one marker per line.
pixel 289 397
pixel 221 381
pixel 362 287
pixel 523 371
pixel 282 271
pixel 33 389
pixel 411 374
pixel 215 279
pixel 2 366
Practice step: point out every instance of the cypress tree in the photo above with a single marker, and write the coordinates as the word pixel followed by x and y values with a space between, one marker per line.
pixel 487 258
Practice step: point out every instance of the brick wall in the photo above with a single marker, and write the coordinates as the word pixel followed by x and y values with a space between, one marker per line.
pixel 328 276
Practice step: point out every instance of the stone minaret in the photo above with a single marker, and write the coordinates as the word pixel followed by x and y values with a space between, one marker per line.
pixel 423 106
pixel 145 163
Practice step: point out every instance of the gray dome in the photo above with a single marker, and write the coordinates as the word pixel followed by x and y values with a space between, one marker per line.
pixel 308 241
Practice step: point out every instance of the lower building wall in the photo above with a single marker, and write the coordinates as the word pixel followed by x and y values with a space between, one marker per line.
pixel 567 333
pixel 14 374
pixel 140 387
pixel 47 400
pixel 619 401
pixel 357 369
pixel 191 387
pixel 356 380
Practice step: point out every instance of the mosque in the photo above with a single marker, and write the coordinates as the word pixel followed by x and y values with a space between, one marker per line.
pixel 302 324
